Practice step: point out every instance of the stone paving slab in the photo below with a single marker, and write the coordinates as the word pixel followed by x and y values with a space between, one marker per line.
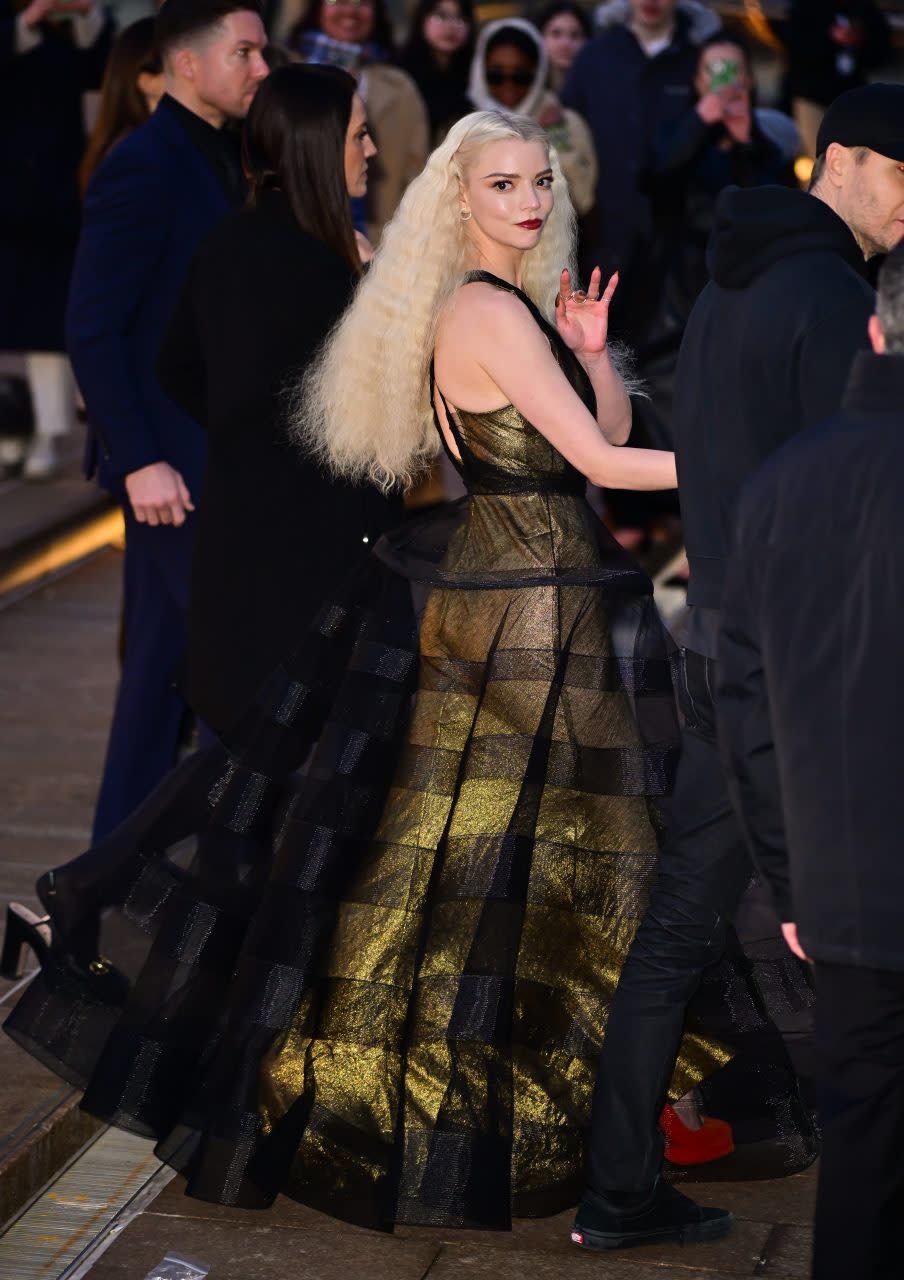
pixel 788 1200
pixel 788 1252
pixel 241 1252
pixel 459 1263
pixel 548 1237
pixel 766 1241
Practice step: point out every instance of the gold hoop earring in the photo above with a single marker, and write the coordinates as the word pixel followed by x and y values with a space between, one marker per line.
pixel 464 214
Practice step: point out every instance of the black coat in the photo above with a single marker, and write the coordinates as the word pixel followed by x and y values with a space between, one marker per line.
pixel 691 164
pixel 820 69
pixel 42 139
pixel 810 698
pixel 275 533
pixel 625 97
pixel 766 352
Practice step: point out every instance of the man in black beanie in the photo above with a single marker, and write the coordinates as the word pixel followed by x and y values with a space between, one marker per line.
pixel 766 353
pixel 811 711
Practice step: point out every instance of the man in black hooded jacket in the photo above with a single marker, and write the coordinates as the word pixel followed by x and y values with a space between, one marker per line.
pixel 810 711
pixel 766 354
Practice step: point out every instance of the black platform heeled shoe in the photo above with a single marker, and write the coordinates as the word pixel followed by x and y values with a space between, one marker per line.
pixel 73 956
pixel 24 931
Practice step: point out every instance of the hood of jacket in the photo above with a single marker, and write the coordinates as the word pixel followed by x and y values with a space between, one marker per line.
pixel 757 226
pixel 478 89
pixel 701 21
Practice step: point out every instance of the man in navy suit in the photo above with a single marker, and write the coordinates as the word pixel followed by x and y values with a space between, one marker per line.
pixel 146 210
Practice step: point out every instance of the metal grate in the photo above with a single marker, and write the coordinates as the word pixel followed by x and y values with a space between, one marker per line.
pixel 80 1214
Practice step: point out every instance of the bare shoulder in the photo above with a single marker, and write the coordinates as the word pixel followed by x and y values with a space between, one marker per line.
pixel 479 311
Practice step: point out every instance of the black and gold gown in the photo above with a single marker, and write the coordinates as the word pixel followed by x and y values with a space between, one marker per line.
pixel 370 949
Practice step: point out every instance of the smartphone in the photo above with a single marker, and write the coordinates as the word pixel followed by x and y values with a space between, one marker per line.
pixel 723 73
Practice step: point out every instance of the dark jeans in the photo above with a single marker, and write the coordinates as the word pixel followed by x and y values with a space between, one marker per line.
pixel 860 1053
pixel 704 869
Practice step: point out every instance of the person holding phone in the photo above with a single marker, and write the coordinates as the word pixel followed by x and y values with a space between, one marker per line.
pixel 720 141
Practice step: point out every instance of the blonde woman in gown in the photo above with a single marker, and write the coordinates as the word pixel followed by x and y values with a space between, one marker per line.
pixel 364 955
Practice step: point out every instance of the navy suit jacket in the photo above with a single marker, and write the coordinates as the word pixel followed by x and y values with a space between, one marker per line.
pixel 146 210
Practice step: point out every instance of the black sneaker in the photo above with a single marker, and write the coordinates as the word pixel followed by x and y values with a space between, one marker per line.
pixel 667 1215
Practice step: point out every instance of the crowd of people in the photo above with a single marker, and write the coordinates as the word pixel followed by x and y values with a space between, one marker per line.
pixel 644 190
pixel 456 803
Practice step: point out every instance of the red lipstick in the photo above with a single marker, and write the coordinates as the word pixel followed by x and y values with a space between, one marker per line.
pixel 532 224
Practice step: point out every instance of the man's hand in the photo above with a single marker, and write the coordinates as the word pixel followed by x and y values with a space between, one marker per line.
pixel 158 495
pixel 789 931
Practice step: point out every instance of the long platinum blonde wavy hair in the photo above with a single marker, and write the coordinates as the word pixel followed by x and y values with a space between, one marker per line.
pixel 363 407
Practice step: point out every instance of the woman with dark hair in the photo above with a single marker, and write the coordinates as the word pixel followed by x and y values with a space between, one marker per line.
pixel 263 292
pixel 133 84
pixel 437 56
pixel 565 28
pixel 356 36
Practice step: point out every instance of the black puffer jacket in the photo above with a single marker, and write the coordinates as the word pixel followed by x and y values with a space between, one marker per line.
pixel 810 699
pixel 766 353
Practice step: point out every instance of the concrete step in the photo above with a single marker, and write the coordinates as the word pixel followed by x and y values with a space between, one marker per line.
pixel 41 1127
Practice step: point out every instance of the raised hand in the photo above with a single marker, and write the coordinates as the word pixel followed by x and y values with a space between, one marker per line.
pixel 582 319
pixel 711 107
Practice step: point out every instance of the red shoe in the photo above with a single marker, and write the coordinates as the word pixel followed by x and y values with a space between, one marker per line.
pixel 694 1146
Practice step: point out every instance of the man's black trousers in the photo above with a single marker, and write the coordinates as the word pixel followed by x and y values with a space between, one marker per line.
pixel 704 869
pixel 860 1082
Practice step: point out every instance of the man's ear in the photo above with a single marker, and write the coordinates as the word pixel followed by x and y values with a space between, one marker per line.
pixel 183 63
pixel 876 336
pixel 838 159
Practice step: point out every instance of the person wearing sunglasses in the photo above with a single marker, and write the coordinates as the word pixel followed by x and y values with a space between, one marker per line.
pixel 509 73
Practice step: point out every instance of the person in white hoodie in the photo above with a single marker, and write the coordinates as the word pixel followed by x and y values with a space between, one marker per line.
pixel 509 73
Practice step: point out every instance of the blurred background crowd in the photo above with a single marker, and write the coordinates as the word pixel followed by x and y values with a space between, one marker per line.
pixel 654 105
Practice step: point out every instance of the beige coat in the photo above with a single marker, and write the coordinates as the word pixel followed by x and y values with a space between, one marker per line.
pixel 398 122
pixel 574 145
